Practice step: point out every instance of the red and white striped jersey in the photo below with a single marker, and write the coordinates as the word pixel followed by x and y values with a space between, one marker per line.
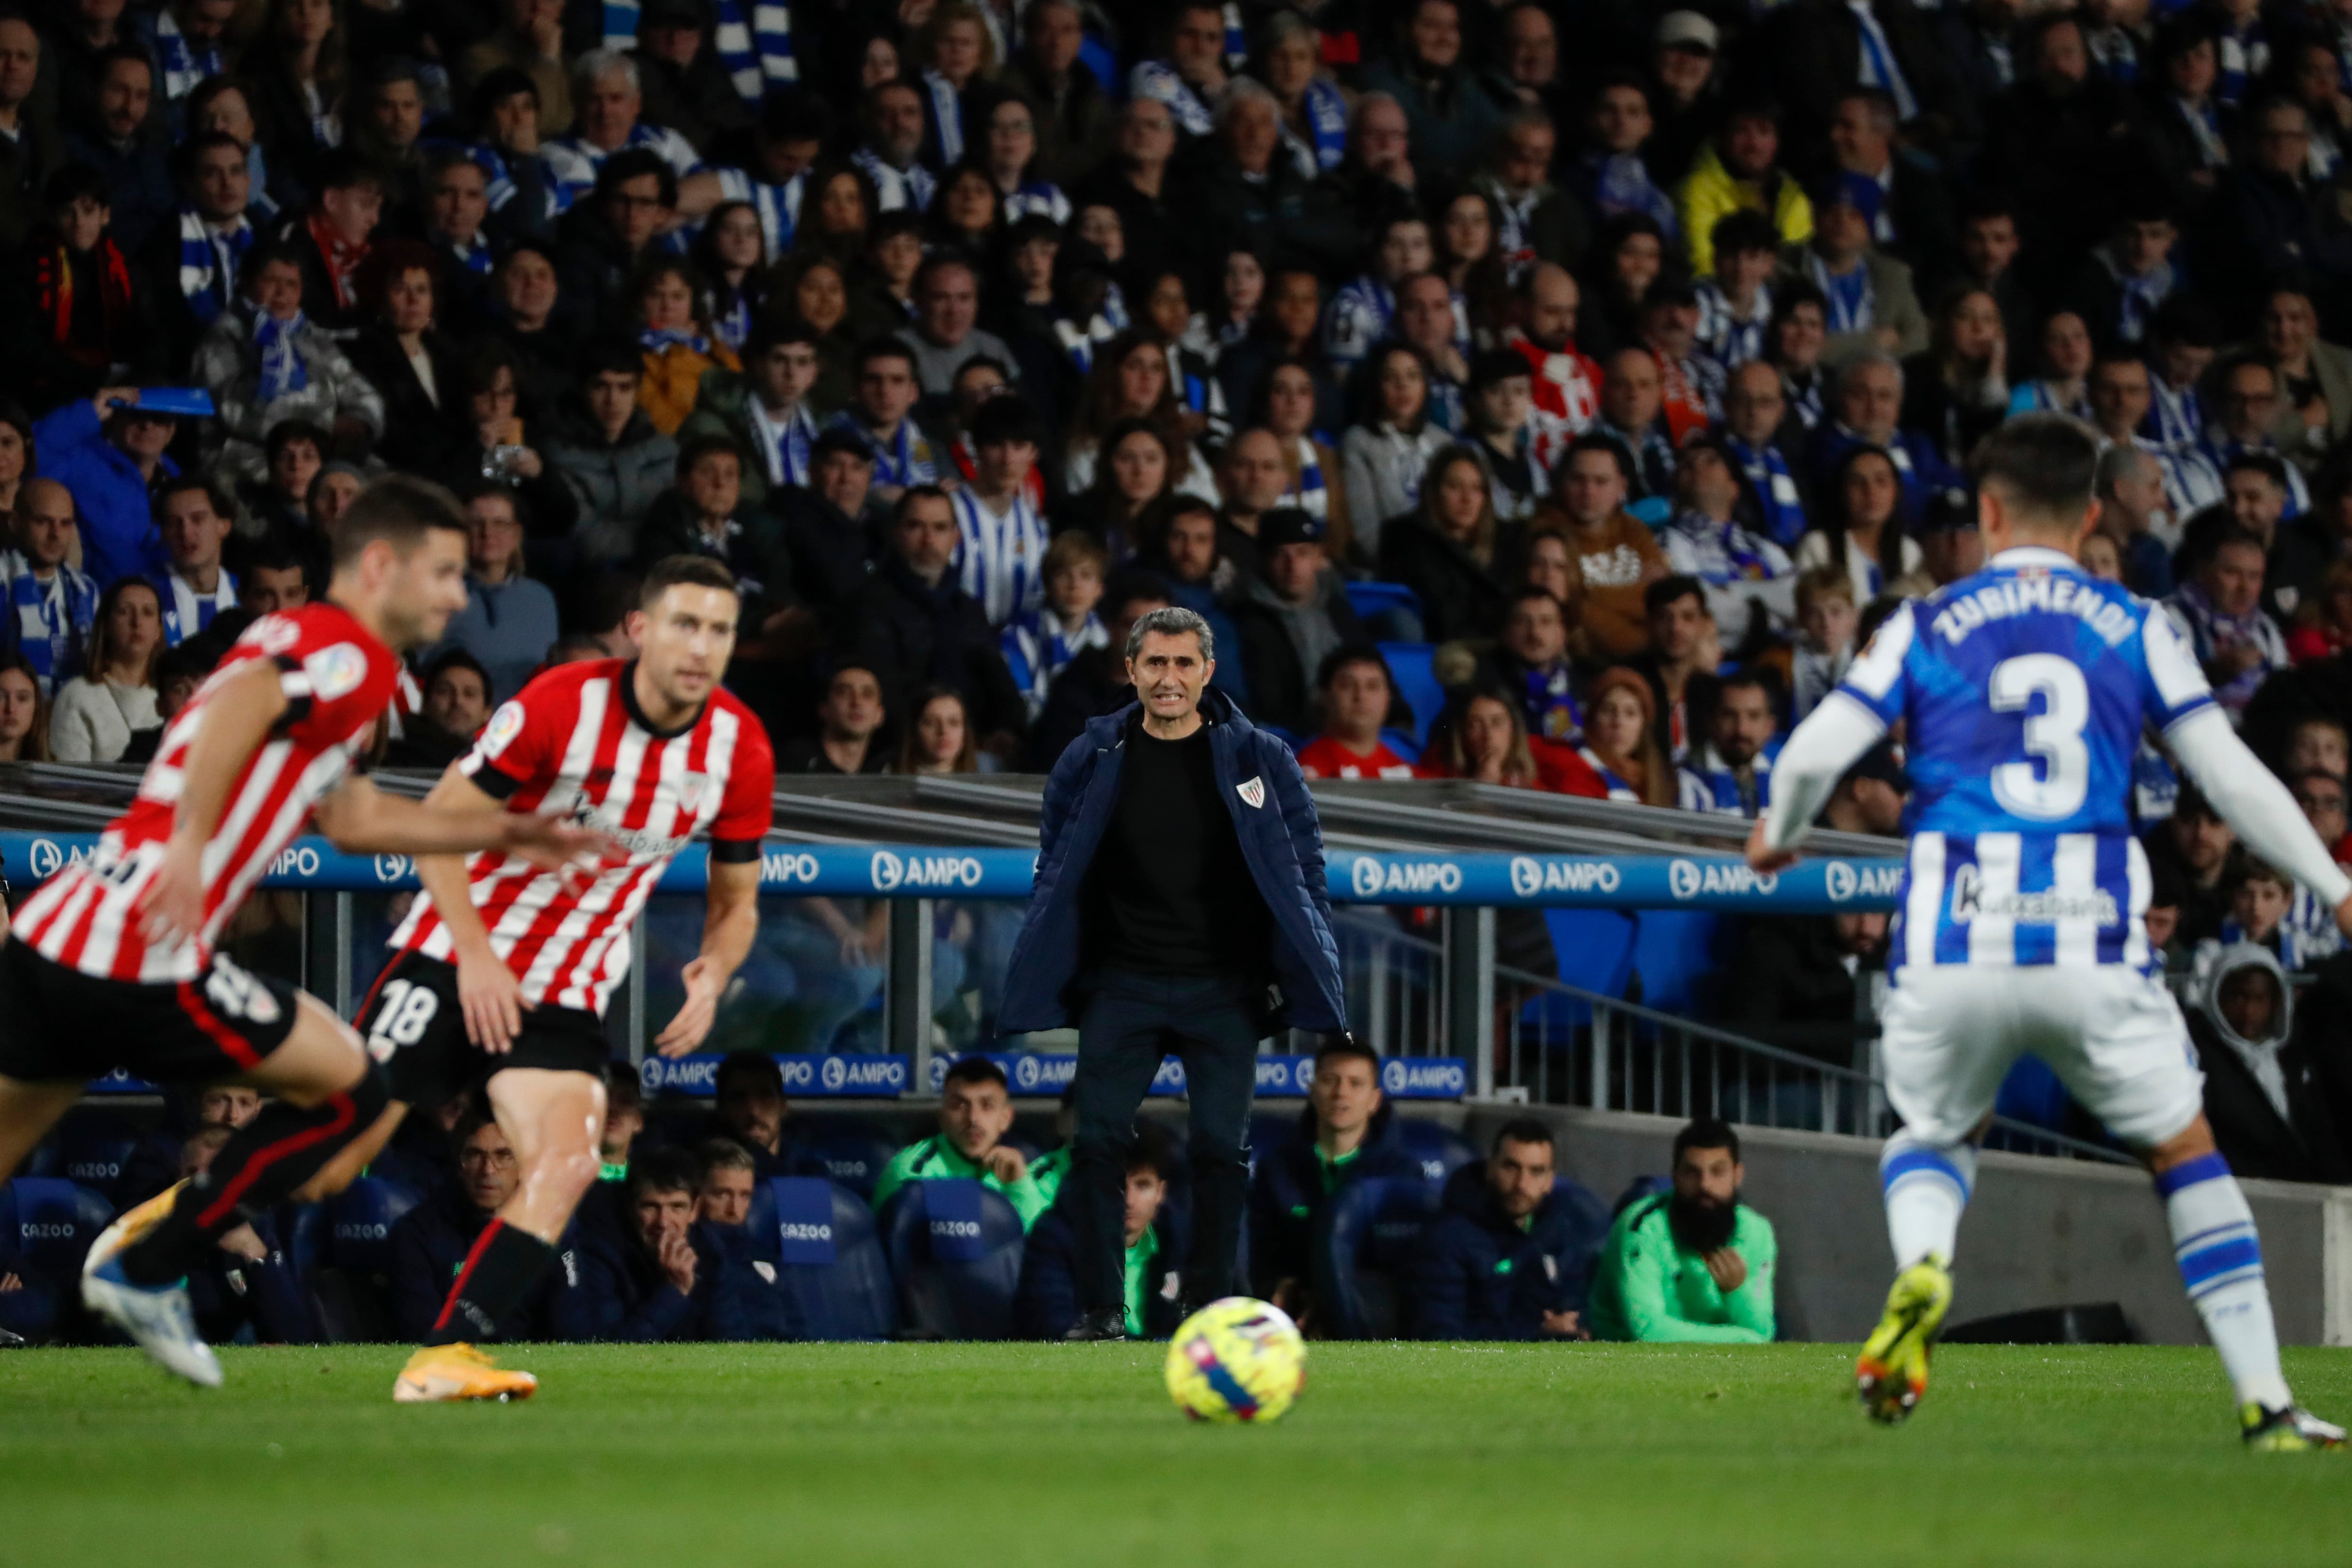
pixel 574 744
pixel 337 678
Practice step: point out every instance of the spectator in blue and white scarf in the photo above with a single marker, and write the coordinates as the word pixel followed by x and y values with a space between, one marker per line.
pixel 203 248
pixel 51 606
pixel 1038 645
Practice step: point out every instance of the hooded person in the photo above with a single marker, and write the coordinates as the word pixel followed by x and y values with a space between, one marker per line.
pixel 2263 1095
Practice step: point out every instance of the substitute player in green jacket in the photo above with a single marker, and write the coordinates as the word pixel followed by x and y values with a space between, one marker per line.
pixel 975 1113
pixel 1695 1267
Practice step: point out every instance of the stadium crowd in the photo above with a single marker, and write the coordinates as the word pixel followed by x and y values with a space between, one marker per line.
pixel 1548 395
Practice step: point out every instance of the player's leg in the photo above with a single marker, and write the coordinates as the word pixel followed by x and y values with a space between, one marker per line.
pixel 554 1120
pixel 27 1112
pixel 2135 1074
pixel 324 1094
pixel 1120 1035
pixel 1948 1039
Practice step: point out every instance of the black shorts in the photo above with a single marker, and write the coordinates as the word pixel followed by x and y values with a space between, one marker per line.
pixel 412 1025
pixel 59 1025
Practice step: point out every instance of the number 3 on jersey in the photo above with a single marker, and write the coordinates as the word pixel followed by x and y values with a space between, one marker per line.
pixel 2054 735
pixel 408 1011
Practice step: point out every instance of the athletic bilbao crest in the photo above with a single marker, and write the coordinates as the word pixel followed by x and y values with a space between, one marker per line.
pixel 690 791
pixel 1252 790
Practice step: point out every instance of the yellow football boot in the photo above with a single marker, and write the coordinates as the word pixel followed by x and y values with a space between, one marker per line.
pixel 1892 1374
pixel 442 1372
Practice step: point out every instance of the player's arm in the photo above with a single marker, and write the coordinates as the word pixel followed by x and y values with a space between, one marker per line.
pixel 729 924
pixel 360 819
pixel 488 995
pixel 1831 740
pixel 2253 800
pixel 238 715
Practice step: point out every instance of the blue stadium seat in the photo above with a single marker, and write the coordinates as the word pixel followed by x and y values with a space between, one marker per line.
pixel 47 1224
pixel 359 1223
pixel 1674 954
pixel 1441 1150
pixel 1416 682
pixel 91 1152
pixel 1401 742
pixel 954 1247
pixel 1370 600
pixel 1593 949
pixel 1363 1242
pixel 829 1261
pixel 850 1153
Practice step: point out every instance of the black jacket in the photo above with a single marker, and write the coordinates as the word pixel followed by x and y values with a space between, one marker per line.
pixel 608 1287
pixel 753 549
pixel 911 636
pixel 1281 687
pixel 1478 1274
pixel 420 436
pixel 1282 217
pixel 1049 1303
pixel 1459 598
pixel 1286 1193
pixel 427 1247
pixel 1789 987
pixel 832 554
pixel 593 265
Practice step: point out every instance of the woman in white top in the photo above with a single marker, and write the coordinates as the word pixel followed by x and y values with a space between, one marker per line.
pixel 1387 450
pixel 97 710
pixel 1862 534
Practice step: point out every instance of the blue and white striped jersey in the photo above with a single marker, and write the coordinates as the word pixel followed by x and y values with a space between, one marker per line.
pixel 2023 690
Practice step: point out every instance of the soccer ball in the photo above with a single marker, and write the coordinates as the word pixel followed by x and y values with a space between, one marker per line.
pixel 1237 1360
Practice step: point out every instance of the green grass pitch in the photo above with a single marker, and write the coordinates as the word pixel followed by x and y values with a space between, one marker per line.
pixel 1039 1455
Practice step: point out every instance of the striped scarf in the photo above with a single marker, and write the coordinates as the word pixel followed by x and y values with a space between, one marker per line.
pixel 1726 337
pixel 209 260
pixel 1000 561
pixel 476 259
pixel 1325 145
pixel 1774 490
pixel 1849 294
pixel 621 23
pixel 1080 343
pixel 1309 493
pixel 1040 196
pixel 342 259
pixel 282 369
pixel 56 276
pixel 662 340
pixel 184 64
pixel 785 451
pixel 947 109
pixel 2176 419
pixel 1038 647
pixel 758 53
pixel 913 187
pixel 188 611
pixel 731 318
pixel 49 623
pixel 906 459
pixel 778 206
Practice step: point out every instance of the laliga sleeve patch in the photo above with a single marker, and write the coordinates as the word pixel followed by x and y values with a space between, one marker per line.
pixel 499 733
pixel 335 672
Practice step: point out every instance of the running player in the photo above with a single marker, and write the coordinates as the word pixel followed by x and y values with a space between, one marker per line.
pixel 2023 691
pixel 113 963
pixel 504 969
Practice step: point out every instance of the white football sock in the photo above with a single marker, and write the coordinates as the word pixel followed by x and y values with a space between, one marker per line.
pixel 1927 1186
pixel 2220 1260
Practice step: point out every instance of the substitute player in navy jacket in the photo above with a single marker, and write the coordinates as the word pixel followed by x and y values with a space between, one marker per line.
pixel 1179 905
pixel 1511 1255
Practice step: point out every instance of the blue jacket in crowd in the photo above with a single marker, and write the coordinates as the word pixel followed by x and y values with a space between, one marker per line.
pixel 1280 838
pixel 119 536
pixel 1477 1275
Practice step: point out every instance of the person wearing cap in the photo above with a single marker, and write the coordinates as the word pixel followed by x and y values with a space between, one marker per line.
pixel 1951 546
pixel 531 40
pixel 1451 112
pixel 1293 617
pixel 1499 421
pixel 1740 168
pixel 1686 89
pixel 1871 301
pixel 108 453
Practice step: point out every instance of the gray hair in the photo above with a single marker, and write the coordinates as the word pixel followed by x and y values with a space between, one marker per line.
pixel 1853 367
pixel 2117 462
pixel 1288 26
pixel 598 63
pixel 1240 92
pixel 1174 621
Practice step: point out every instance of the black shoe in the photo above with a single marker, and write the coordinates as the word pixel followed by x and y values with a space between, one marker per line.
pixel 1109 1322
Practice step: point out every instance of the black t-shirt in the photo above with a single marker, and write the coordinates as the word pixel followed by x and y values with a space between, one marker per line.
pixel 1169 892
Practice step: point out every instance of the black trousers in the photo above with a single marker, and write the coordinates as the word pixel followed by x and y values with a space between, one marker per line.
pixel 1131 1020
